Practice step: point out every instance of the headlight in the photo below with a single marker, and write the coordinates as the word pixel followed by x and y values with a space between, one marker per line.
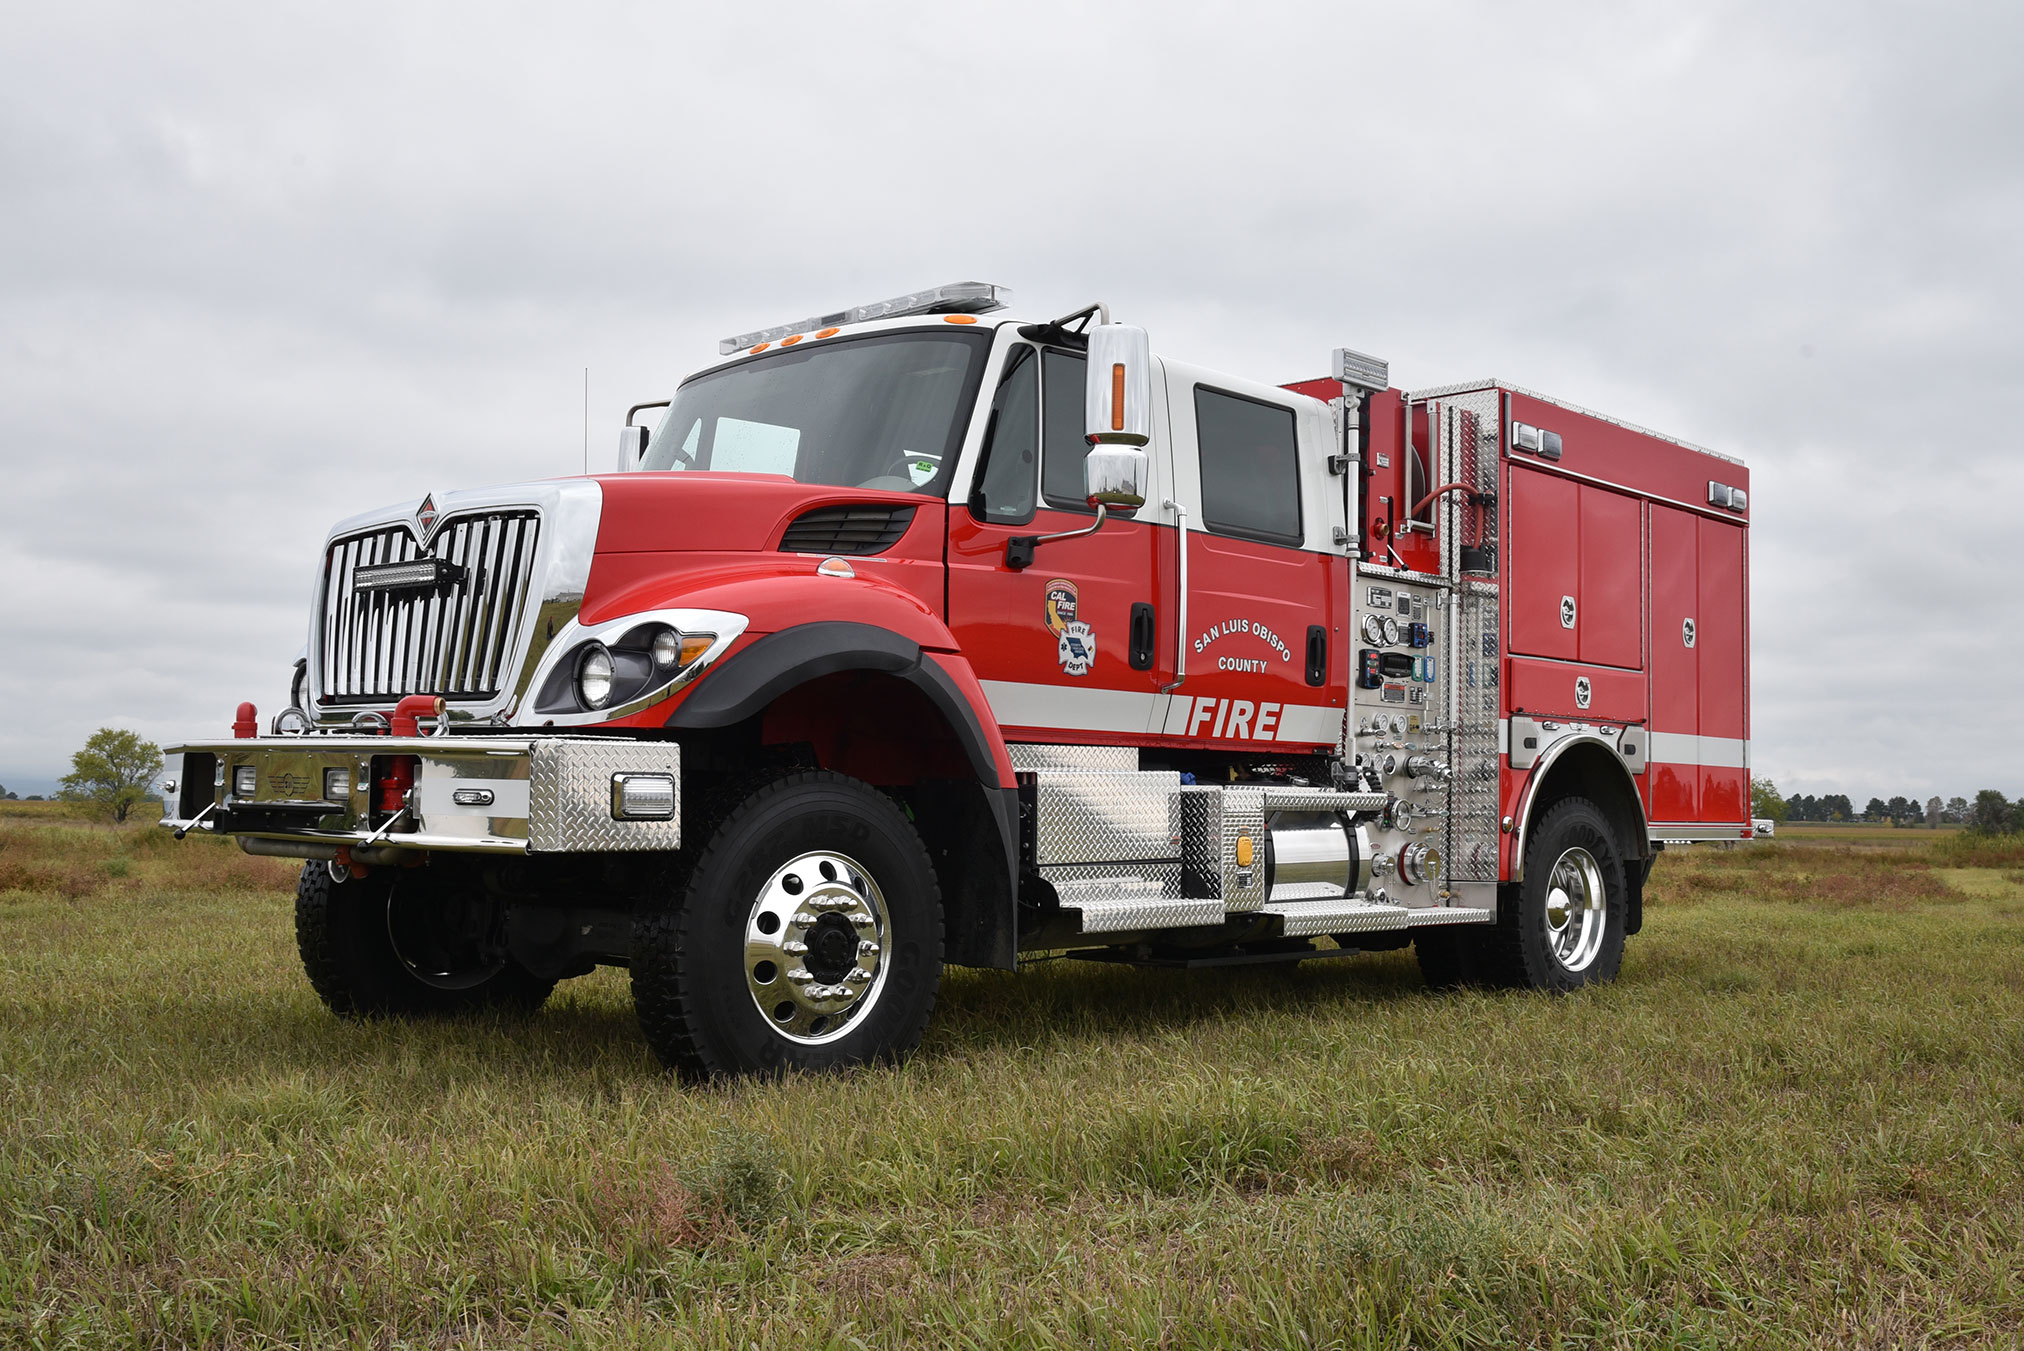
pixel 674 649
pixel 593 676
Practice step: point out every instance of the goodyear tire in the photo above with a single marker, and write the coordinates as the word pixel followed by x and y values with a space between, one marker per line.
pixel 804 933
pixel 404 942
pixel 1564 926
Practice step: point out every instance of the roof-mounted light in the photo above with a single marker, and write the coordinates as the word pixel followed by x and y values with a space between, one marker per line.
pixel 963 297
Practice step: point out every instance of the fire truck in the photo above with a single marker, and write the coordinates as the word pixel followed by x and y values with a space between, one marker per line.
pixel 917 634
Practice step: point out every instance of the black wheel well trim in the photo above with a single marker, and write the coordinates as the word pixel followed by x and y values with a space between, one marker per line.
pixel 1637 842
pixel 745 683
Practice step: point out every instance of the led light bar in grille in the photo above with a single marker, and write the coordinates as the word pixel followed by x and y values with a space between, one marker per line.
pixel 963 297
pixel 415 575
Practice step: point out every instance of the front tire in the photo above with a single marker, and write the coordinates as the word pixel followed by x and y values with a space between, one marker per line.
pixel 1566 928
pixel 805 934
pixel 406 942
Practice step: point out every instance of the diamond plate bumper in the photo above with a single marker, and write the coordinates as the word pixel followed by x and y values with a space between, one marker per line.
pixel 312 795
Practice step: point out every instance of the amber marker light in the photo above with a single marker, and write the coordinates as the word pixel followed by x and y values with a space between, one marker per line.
pixel 1117 397
pixel 789 342
pixel 829 332
pixel 834 567
pixel 959 318
pixel 760 348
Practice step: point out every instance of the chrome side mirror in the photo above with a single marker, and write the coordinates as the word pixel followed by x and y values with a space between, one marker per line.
pixel 1118 400
pixel 632 448
pixel 1114 476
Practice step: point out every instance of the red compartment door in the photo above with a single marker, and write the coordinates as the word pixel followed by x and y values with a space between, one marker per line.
pixel 1674 777
pixel 1724 723
pixel 1545 550
pixel 1610 630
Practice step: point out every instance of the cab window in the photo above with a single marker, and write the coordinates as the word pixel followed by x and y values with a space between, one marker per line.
pixel 1006 486
pixel 1250 467
pixel 1063 377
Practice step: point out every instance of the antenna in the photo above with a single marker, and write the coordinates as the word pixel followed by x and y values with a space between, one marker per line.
pixel 586 419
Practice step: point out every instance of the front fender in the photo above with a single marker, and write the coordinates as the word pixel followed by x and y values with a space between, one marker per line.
pixel 775 596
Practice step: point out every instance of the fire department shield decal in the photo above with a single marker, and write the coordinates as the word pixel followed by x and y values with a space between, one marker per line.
pixel 1074 641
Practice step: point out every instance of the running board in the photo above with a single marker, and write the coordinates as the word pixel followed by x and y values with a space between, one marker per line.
pixel 1123 904
pixel 1344 915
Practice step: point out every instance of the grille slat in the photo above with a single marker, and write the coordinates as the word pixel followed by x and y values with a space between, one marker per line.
pixel 456 641
pixel 867 528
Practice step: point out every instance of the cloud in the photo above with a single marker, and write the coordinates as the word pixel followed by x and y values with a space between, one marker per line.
pixel 262 268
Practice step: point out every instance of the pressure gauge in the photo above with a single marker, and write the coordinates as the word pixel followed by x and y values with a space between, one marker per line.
pixel 1391 631
pixel 1373 629
pixel 1390 764
pixel 1398 724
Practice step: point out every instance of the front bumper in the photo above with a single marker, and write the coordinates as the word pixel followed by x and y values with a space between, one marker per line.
pixel 469 794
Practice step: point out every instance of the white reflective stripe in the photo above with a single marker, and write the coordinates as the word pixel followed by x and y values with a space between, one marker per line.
pixel 1081 707
pixel 1085 709
pixel 1310 722
pixel 1682 748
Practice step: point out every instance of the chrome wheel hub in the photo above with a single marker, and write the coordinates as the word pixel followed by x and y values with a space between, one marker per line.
pixel 815 947
pixel 1575 910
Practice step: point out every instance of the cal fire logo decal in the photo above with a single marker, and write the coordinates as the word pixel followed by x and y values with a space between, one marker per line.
pixel 1074 641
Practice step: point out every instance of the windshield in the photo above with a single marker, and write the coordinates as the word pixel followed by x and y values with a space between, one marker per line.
pixel 884 412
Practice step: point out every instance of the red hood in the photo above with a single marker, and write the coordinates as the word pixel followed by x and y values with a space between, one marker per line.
pixel 723 513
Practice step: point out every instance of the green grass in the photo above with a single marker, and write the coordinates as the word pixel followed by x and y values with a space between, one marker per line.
pixel 1797 1118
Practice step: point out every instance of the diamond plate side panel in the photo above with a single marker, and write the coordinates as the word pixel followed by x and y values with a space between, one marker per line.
pixel 1109 759
pixel 1473 700
pixel 1103 817
pixel 569 796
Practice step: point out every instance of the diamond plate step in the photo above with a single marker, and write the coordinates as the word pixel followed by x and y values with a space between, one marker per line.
pixel 1117 904
pixel 1450 914
pixel 1305 919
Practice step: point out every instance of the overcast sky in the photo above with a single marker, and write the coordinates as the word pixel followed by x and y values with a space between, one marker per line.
pixel 264 266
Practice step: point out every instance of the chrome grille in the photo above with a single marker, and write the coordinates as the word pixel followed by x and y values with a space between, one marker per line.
pixel 456 640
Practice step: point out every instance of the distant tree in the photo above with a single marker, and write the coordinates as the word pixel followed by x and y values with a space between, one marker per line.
pixel 1837 807
pixel 1934 807
pixel 1991 813
pixel 33 797
pixel 1877 810
pixel 113 771
pixel 7 796
pixel 1765 801
pixel 1901 810
pixel 1956 810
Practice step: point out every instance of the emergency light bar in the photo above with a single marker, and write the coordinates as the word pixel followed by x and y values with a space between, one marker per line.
pixel 962 297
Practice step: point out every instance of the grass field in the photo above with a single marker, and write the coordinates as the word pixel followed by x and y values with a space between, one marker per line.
pixel 1798 1118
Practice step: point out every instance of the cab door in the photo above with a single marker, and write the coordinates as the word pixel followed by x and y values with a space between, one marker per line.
pixel 1266 648
pixel 1069 648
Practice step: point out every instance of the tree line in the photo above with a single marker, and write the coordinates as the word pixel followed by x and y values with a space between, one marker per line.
pixel 1990 813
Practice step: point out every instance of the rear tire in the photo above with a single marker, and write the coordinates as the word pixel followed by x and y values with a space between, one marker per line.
pixel 1564 928
pixel 805 933
pixel 403 942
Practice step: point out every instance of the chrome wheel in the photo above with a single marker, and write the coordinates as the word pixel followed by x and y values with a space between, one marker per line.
pixel 815 947
pixel 1576 914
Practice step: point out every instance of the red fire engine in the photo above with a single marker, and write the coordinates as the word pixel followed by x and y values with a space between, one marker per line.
pixel 914 634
